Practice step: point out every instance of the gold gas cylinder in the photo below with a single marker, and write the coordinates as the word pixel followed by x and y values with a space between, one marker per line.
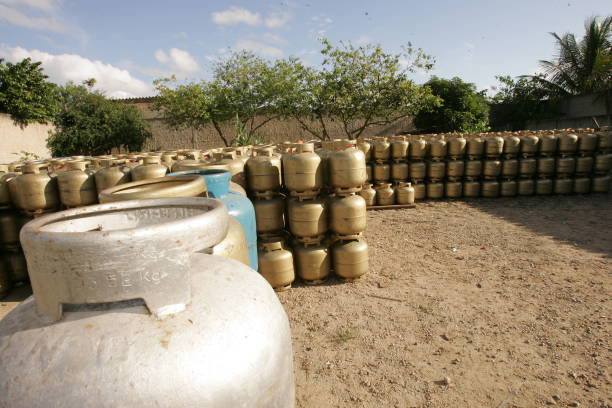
pixel 510 168
pixel 381 149
pixel 350 259
pixel 113 173
pixel 399 149
pixel 491 168
pixel 456 147
pixel 5 192
pixel 600 184
pixel 368 194
pixel 568 143
pixel 546 166
pixel 544 186
pixel 471 188
pixel 418 171
pixel 302 171
pixel 565 165
pixel 548 145
pixel 512 145
pixel 563 185
pixel 399 171
pixel 526 187
pixel 490 188
pixel 436 170
pixel 37 191
pixel 385 194
pixel 17 266
pixel 475 148
pixel 494 146
pixel 276 264
pixel 150 169
pixel 11 182
pixel 263 171
pixel 437 148
pixel 6 282
pixel 236 166
pixel 185 165
pixel 455 169
pixel 312 262
pixel 587 142
pixel 404 193
pixel 307 218
pixel 420 191
pixel 269 213
pixel 527 166
pixel 369 175
pixel 507 188
pixel 193 154
pixel 381 172
pixel 603 163
pixel 473 168
pixel 77 185
pixel 167 159
pixel 234 245
pixel 435 190
pixel 347 169
pixel 324 150
pixel 10 226
pixel 584 164
pixel 454 189
pixel 347 214
pixel 188 185
pixel 418 149
pixel 582 185
pixel 366 148
pixel 529 145
pixel 604 139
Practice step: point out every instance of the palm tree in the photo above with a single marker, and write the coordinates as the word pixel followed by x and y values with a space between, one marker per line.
pixel 582 65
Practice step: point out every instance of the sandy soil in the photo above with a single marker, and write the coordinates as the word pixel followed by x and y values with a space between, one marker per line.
pixel 485 303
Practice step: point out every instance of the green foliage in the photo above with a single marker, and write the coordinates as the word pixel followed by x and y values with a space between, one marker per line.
pixel 26 156
pixel 25 93
pixel 243 136
pixel 463 109
pixel 90 124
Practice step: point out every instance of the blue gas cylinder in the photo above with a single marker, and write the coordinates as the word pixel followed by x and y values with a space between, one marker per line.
pixel 238 205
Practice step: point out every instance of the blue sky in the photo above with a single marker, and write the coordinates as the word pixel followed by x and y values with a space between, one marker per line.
pixel 126 44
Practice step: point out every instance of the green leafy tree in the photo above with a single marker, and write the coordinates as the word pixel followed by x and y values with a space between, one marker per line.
pixel 463 108
pixel 25 93
pixel 88 123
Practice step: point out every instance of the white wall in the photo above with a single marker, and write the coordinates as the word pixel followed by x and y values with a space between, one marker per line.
pixel 13 139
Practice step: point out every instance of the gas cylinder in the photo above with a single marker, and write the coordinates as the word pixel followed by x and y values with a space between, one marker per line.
pixel 568 143
pixel 6 282
pixel 269 213
pixel 404 193
pixel 369 175
pixel 366 148
pixel 604 139
pixel 37 191
pixel 437 148
pixel 385 194
pixel 263 171
pixel 494 146
pixel 563 185
pixel 236 166
pixel 347 169
pixel 150 169
pixel 475 148
pixel 420 191
pixel 381 149
pixel 11 182
pixel 399 171
pixel 529 145
pixel 399 149
pixel 312 262
pixel 548 145
pixel 17 266
pixel 507 188
pixel 510 168
pixel 546 166
pixel 512 146
pixel 601 184
pixel 584 164
pixel 382 172
pixel 307 219
pixel 368 194
pixel 302 171
pixel 418 149
pixel 471 189
pixel 193 154
pixel 491 168
pixel 418 171
pixel 189 185
pixel 77 185
pixel 276 264
pixel 5 192
pixel 544 186
pixel 456 147
pixel 490 188
pixel 454 189
pixel 350 259
pixel 565 165
pixel 435 190
pixel 112 174
pixel 184 165
pixel 527 167
pixel 234 245
pixel 436 170
pixel 10 225
pixel 167 159
pixel 473 168
pixel 603 163
pixel 582 185
pixel 455 168
pixel 526 187
pixel 587 143
pixel 347 214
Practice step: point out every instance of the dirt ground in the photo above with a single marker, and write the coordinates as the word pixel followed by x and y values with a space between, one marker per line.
pixel 484 303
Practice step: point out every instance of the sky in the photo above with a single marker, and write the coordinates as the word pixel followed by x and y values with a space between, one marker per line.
pixel 126 44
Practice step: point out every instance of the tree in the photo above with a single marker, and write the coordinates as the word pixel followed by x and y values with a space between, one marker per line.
pixel 90 124
pixel 581 66
pixel 463 109
pixel 25 93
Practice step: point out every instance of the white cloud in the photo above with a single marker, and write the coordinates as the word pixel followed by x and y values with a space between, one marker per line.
pixel 61 68
pixel 236 15
pixel 362 40
pixel 16 17
pixel 277 20
pixel 274 39
pixel 43 5
pixel 258 48
pixel 179 62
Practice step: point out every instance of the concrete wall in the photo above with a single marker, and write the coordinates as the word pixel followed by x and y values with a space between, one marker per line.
pixel 579 112
pixel 14 140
